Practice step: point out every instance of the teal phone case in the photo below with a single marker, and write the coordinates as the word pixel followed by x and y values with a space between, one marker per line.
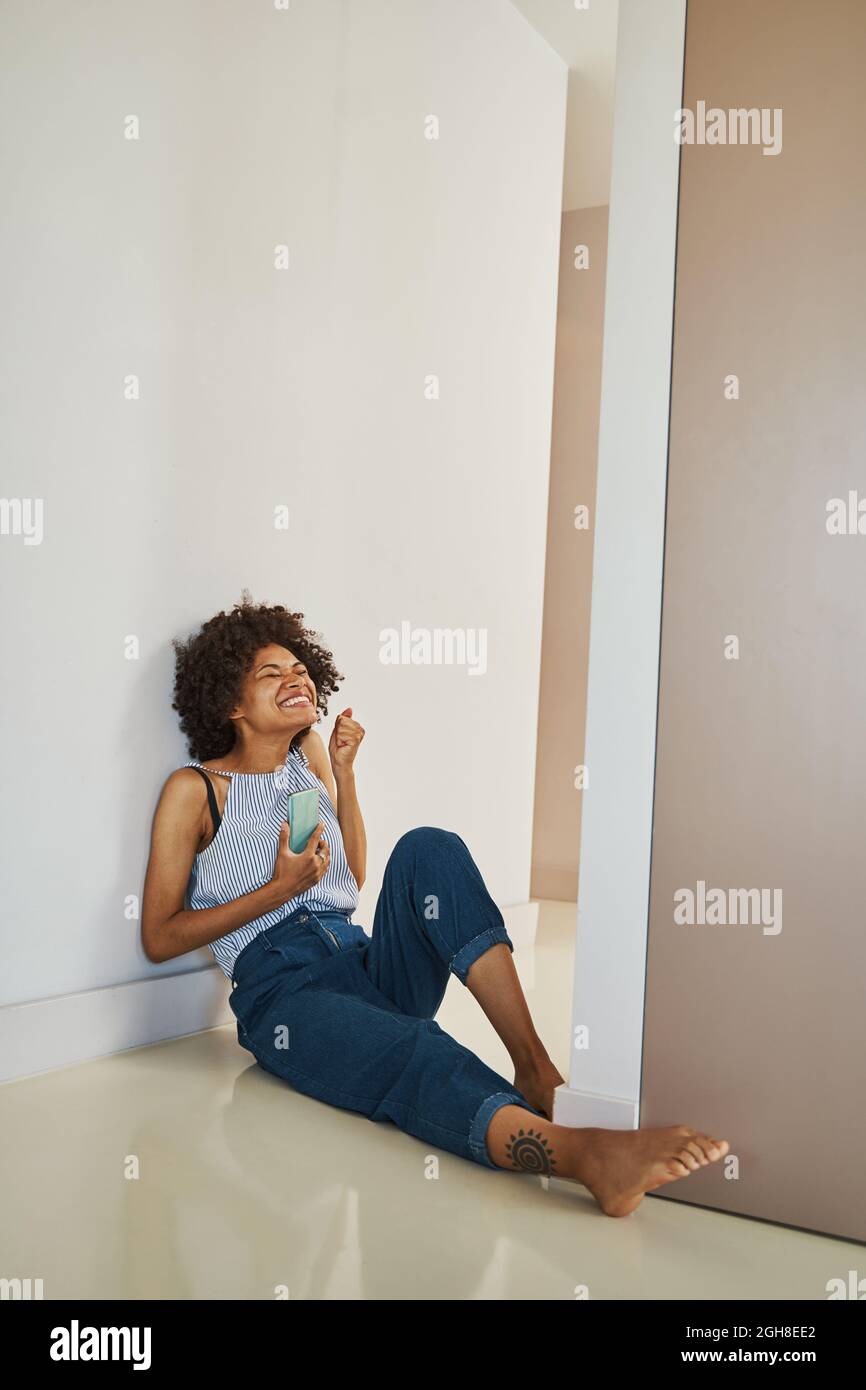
pixel 303 817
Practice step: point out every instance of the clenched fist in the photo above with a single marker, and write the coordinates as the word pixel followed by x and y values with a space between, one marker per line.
pixel 345 740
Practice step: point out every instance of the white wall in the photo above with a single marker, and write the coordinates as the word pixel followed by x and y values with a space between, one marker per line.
pixel 262 387
pixel 616 827
pixel 585 39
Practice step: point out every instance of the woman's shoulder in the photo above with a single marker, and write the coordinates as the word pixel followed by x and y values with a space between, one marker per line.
pixel 186 776
pixel 183 791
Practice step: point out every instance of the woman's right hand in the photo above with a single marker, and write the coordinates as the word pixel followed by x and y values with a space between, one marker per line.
pixel 294 873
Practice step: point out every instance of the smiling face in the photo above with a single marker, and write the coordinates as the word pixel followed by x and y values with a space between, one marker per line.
pixel 278 693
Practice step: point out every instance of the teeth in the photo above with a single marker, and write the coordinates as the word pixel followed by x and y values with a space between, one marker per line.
pixel 295 700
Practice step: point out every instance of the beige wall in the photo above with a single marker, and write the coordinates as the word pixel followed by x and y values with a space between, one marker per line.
pixel 760 1036
pixel 568 575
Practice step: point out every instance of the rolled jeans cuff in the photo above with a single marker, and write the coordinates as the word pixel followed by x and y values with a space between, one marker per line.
pixel 486 1111
pixel 468 954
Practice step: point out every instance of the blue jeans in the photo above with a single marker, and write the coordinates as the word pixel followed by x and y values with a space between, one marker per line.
pixel 348 1018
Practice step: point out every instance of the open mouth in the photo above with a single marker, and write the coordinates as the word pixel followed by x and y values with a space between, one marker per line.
pixel 295 700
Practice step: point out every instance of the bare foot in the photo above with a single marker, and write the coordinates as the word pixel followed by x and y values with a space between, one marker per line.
pixel 620 1166
pixel 537 1082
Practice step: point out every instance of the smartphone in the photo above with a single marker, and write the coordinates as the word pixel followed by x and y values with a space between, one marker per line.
pixel 303 817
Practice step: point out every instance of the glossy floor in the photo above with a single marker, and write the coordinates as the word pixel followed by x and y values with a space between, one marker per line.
pixel 245 1186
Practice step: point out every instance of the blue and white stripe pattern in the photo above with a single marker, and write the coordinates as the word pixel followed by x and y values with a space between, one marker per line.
pixel 240 857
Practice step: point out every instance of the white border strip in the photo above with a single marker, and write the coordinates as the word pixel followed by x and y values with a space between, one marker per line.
pixel 610 961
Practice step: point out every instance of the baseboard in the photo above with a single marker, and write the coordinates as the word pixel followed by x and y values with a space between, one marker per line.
pixel 589 1110
pixel 51 1033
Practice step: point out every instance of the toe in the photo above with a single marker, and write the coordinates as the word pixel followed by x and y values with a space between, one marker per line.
pixel 694 1148
pixel 676 1168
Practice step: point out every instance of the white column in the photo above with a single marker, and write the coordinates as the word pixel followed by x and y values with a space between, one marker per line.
pixel 604 1079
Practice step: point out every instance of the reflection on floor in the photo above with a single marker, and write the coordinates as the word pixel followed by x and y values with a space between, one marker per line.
pixel 246 1186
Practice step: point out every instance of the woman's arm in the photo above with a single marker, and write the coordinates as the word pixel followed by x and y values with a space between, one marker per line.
pixel 338 776
pixel 352 825
pixel 168 929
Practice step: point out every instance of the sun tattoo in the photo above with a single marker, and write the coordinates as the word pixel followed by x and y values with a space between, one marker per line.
pixel 531 1153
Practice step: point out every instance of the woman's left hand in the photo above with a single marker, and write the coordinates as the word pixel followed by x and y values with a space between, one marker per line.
pixel 345 739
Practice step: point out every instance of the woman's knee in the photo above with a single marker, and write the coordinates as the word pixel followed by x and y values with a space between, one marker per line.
pixel 426 840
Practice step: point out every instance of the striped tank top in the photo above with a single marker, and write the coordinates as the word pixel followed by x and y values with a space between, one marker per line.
pixel 240 856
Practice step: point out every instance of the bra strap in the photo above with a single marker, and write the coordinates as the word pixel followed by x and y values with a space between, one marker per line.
pixel 211 798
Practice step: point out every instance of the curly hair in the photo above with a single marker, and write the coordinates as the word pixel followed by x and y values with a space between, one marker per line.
pixel 211 665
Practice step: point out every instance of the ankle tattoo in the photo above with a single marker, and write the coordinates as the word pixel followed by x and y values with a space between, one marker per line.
pixel 531 1152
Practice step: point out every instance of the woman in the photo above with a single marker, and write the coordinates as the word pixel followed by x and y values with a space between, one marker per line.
pixel 343 1016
